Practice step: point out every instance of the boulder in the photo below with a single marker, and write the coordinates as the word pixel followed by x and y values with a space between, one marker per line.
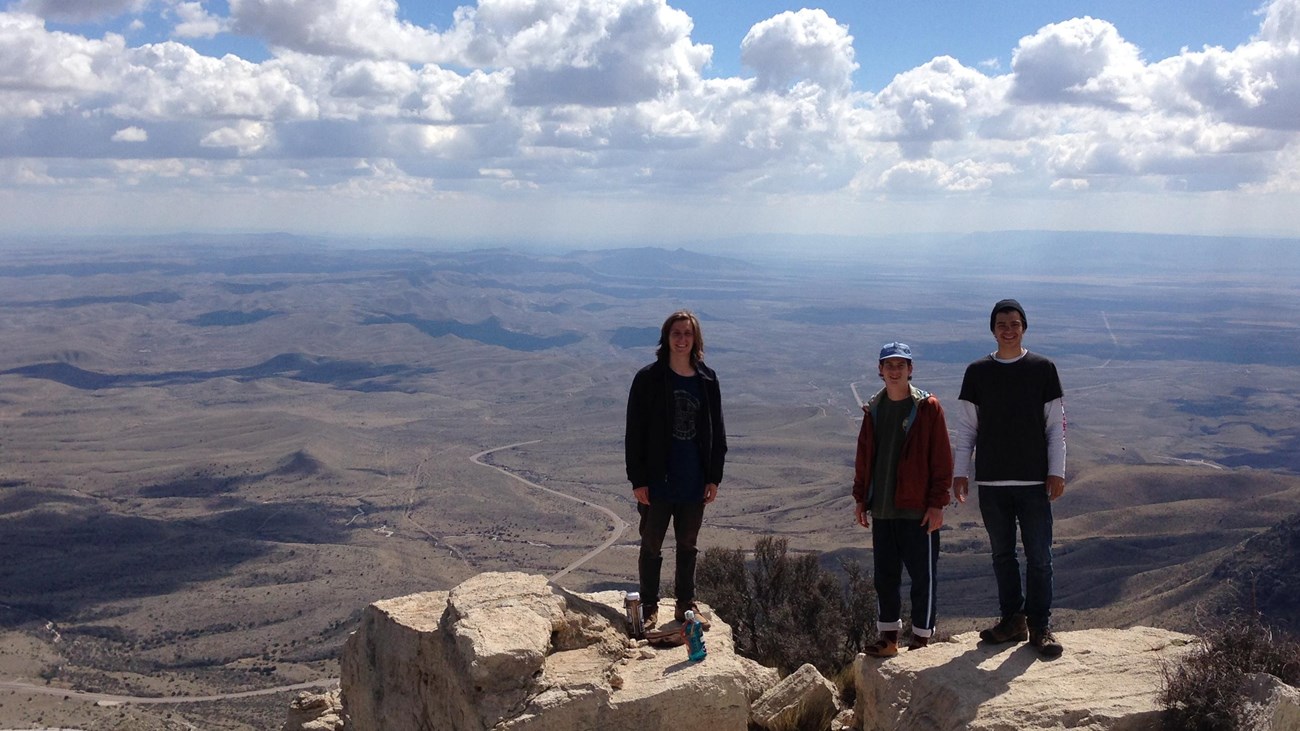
pixel 1271 705
pixel 315 712
pixel 1107 679
pixel 803 699
pixel 508 651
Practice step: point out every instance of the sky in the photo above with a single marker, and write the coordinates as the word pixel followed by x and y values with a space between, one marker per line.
pixel 613 121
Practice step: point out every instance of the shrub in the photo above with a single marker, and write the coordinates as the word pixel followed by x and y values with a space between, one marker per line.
pixel 1205 691
pixel 788 610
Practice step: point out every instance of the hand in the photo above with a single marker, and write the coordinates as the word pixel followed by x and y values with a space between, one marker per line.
pixel 860 512
pixel 1055 487
pixel 710 492
pixel 960 488
pixel 642 495
pixel 932 520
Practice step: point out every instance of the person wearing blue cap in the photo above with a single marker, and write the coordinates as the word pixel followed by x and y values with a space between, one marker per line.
pixel 1011 414
pixel 900 486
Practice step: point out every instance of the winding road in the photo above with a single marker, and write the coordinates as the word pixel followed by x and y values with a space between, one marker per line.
pixel 107 699
pixel 620 525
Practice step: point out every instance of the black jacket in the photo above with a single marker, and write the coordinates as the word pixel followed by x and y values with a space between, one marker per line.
pixel 650 425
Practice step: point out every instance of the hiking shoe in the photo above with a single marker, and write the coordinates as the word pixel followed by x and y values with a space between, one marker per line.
pixel 1045 642
pixel 679 614
pixel 651 618
pixel 886 646
pixel 1009 629
pixel 917 642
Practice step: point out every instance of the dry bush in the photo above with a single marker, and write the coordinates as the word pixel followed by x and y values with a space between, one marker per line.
pixel 1205 691
pixel 788 610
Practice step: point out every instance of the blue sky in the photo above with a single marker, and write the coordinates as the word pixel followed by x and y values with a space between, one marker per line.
pixel 620 120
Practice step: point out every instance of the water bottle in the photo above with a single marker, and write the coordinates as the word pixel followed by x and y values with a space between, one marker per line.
pixel 694 632
pixel 635 622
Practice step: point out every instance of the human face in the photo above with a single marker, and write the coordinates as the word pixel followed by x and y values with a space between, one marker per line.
pixel 1009 331
pixel 895 371
pixel 681 339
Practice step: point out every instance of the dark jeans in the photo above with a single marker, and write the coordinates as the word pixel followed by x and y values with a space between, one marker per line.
pixel 1003 507
pixel 686 519
pixel 898 543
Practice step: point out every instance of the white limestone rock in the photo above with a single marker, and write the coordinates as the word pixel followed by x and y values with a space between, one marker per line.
pixel 1107 679
pixel 1271 705
pixel 510 651
pixel 315 712
pixel 803 699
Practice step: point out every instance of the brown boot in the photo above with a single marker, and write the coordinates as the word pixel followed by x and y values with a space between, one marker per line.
pixel 1045 642
pixel 1009 629
pixel 917 642
pixel 886 646
pixel 679 614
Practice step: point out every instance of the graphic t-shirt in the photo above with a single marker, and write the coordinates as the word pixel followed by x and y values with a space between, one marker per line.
pixel 685 479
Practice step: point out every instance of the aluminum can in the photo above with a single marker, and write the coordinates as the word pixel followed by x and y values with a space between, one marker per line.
pixel 635 622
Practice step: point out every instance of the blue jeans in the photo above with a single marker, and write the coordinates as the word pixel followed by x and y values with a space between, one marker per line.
pixel 1002 508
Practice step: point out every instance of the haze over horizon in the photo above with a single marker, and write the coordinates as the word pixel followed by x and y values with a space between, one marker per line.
pixel 640 120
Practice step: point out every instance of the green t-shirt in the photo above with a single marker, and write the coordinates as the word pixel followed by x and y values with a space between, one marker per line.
pixel 889 445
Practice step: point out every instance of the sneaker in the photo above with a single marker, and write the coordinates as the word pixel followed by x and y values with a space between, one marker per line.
pixel 1009 629
pixel 1045 642
pixel 917 642
pixel 886 646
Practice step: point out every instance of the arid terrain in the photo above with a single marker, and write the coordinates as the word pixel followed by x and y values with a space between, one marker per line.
pixel 215 452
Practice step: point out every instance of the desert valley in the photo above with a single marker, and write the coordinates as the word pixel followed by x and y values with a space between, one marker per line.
pixel 216 451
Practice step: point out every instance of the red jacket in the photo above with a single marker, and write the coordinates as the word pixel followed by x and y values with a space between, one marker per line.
pixel 924 475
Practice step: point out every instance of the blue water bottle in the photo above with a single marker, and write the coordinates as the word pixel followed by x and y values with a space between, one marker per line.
pixel 694 632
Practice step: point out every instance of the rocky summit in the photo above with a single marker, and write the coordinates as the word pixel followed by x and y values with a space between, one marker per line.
pixel 511 651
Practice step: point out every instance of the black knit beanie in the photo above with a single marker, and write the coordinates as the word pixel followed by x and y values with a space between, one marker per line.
pixel 1004 305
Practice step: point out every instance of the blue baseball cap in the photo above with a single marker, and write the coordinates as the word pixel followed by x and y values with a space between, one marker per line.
pixel 895 350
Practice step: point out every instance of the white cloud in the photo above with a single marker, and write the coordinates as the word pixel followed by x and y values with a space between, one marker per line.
pixel 347 28
pixel 33 59
pixel 589 52
pixel 193 21
pixel 929 176
pixel 244 136
pixel 796 46
pixel 938 101
pixel 1281 25
pixel 80 10
pixel 606 98
pixel 1256 84
pixel 130 134
pixel 172 81
pixel 1079 61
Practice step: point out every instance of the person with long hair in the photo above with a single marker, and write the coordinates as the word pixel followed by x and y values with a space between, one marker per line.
pixel 675 444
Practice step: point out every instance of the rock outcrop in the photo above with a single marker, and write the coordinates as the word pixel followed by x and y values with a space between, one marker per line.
pixel 511 651
pixel 803 699
pixel 1107 679
pixel 315 712
pixel 1271 705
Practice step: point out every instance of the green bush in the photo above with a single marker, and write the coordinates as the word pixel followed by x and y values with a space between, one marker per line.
pixel 786 610
pixel 1205 691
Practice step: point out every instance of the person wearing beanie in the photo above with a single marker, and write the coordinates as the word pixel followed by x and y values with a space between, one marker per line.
pixel 900 486
pixel 1011 415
